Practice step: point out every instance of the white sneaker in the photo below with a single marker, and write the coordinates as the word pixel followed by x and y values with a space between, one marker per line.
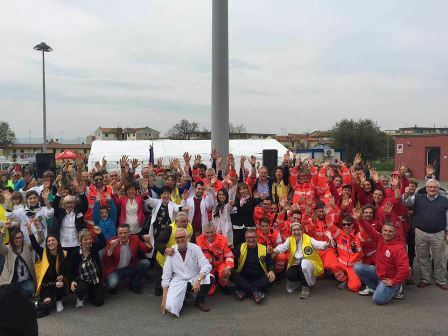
pixel 59 306
pixel 305 293
pixel 79 303
pixel 400 293
pixel 366 291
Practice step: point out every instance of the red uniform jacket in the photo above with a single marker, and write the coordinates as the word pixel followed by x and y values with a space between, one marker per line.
pixel 270 240
pixel 259 214
pixel 349 248
pixel 391 257
pixel 111 263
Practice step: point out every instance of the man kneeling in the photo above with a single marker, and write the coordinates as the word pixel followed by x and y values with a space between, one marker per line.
pixel 186 270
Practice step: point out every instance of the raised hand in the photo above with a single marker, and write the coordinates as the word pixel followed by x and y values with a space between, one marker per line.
pixel 242 160
pixel 394 181
pixel 357 212
pixel 252 160
pixel 429 170
pixel 124 161
pixel 219 161
pixel 197 160
pixel 104 162
pixel 135 163
pixel 374 174
pixel 80 161
pixel 187 157
pixel 159 162
pixel 97 230
pixel 388 208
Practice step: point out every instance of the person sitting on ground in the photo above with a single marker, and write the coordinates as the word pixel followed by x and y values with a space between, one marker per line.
pixel 164 245
pixel 304 262
pixel 84 269
pixel 254 270
pixel 385 280
pixel 19 259
pixel 120 260
pixel 51 273
pixel 186 271
pixel 217 250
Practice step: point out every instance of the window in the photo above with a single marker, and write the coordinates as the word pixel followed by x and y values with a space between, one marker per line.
pixel 106 135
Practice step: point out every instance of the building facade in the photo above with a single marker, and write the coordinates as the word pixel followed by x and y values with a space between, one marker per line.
pixel 118 133
pixel 416 151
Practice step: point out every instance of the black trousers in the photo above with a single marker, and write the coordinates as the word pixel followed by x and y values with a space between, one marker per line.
pixel 250 284
pixel 295 273
pixel 410 240
pixel 238 236
pixel 52 292
pixel 203 291
pixel 95 292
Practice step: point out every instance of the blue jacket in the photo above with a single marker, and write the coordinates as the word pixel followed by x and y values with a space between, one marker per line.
pixel 108 226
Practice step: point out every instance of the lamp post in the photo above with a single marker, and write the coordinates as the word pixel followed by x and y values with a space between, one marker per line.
pixel 220 78
pixel 44 48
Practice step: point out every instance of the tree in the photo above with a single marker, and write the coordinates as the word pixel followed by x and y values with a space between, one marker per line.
pixel 183 130
pixel 362 136
pixel 7 136
pixel 237 128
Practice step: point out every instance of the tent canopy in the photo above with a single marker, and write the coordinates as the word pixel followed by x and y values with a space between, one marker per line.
pixel 167 149
pixel 66 155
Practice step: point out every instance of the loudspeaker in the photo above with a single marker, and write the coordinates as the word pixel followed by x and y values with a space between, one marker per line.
pixel 270 160
pixel 44 162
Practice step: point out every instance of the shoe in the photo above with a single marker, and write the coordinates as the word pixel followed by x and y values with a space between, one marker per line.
pixel 342 285
pixel 400 293
pixel 423 284
pixel 113 291
pixel 240 295
pixel 305 292
pixel 258 297
pixel 444 286
pixel 366 291
pixel 79 303
pixel 59 306
pixel 409 282
pixel 136 290
pixel 41 309
pixel 202 306
pixel 226 291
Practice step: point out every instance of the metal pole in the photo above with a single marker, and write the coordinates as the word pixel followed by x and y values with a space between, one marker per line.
pixel 44 147
pixel 220 78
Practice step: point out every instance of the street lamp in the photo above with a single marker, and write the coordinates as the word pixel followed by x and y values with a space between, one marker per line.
pixel 44 48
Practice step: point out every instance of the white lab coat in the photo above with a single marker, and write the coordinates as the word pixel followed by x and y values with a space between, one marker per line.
pixel 207 204
pixel 177 273
pixel 223 223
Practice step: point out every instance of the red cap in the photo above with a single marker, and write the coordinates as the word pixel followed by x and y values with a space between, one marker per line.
pixel 395 172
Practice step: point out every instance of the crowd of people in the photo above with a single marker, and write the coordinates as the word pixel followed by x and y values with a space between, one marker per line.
pixel 206 228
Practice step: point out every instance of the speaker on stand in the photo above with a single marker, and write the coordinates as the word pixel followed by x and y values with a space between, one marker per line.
pixel 270 160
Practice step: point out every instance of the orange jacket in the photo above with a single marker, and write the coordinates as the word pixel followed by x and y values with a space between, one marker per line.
pixel 317 229
pixel 349 248
pixel 259 214
pixel 216 252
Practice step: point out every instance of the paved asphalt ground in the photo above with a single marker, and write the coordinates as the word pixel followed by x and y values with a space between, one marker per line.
pixel 329 311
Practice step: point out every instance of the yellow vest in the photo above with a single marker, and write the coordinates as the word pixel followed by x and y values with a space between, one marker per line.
pixel 175 196
pixel 282 191
pixel 262 251
pixel 3 220
pixel 308 252
pixel 41 269
pixel 171 242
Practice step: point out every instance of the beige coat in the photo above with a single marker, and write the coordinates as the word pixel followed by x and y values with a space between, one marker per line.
pixel 10 259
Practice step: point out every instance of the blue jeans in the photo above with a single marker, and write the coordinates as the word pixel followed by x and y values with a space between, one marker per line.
pixel 383 294
pixel 26 287
pixel 135 273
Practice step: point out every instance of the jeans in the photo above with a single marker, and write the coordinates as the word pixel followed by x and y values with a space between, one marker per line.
pixel 26 287
pixel 383 294
pixel 135 273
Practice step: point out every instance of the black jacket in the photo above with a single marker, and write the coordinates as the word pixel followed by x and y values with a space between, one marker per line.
pixel 75 260
pixel 59 214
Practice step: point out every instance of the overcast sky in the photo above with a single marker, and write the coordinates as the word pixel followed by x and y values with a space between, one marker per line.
pixel 295 65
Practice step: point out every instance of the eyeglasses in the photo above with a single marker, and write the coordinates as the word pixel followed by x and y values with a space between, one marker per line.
pixel 346 224
pixel 98 180
pixel 179 238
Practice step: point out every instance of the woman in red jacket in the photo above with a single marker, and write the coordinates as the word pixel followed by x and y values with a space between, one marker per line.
pixel 131 209
pixel 385 280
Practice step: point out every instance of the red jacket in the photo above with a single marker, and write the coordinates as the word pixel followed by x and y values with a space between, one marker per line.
pixel 270 240
pixel 259 214
pixel 349 248
pixel 121 204
pixel 111 263
pixel 391 257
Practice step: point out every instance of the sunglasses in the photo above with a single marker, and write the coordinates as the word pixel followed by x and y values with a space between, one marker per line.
pixel 346 224
pixel 98 180
pixel 179 238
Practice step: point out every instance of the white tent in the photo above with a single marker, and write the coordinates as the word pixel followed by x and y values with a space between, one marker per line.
pixel 167 149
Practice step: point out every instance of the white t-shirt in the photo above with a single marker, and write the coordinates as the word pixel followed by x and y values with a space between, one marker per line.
pixel 68 234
